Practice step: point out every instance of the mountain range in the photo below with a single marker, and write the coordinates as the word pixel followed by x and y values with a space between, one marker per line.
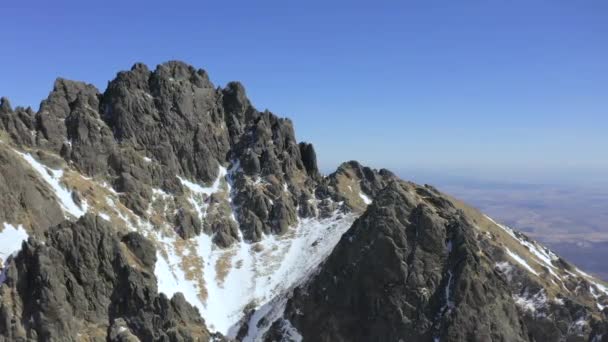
pixel 168 209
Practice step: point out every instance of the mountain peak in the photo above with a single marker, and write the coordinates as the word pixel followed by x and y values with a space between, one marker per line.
pixel 5 105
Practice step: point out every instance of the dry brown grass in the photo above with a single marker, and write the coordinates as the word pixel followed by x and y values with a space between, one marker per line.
pixel 222 266
pixel 132 260
pixel 96 198
pixel 348 186
pixel 192 265
pixel 5 137
pixel 90 332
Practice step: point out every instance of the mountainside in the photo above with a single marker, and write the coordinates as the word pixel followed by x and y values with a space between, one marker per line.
pixel 166 209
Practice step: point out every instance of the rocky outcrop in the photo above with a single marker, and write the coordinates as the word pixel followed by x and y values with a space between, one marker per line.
pixel 406 270
pixel 24 197
pixel 355 184
pixel 86 282
pixel 19 124
pixel 173 115
pixel 56 121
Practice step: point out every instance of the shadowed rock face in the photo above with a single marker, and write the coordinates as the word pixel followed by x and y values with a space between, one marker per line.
pixel 390 275
pixel 87 282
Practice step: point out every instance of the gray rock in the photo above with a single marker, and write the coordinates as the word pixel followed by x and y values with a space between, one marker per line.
pixel 18 124
pixel 86 283
pixel 386 280
pixel 187 224
pixel 173 114
pixel 24 197
pixel 142 248
pixel 50 120
pixel 309 159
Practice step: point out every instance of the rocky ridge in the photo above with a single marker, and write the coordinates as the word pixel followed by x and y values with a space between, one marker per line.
pixel 166 184
pixel 419 265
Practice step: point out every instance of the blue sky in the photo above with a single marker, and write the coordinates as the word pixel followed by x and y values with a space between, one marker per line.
pixel 501 90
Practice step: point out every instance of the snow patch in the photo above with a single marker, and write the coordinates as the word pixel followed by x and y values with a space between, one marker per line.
pixel 262 318
pixel 533 304
pixel 449 304
pixel 199 189
pixel 198 193
pixel 247 274
pixel 53 179
pixel 505 268
pixel 365 199
pixel 104 216
pixel 521 261
pixel 290 332
pixel 449 246
pixel 587 275
pixel 593 288
pixel 578 326
pixel 223 282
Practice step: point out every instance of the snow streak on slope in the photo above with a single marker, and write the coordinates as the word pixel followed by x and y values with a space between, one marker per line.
pixel 365 199
pixel 264 316
pixel 246 273
pixel 539 254
pixel 547 267
pixel 222 283
pixel 53 179
pixel 198 189
pixel 532 303
pixel 521 261
pixel 544 255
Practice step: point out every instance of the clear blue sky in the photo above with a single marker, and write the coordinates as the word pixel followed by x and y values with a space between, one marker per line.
pixel 490 89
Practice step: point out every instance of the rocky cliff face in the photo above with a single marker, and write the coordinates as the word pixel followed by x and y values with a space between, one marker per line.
pixel 87 282
pixel 407 269
pixel 414 266
pixel 166 186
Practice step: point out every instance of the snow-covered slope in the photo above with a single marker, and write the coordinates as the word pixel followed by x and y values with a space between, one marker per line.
pixel 226 282
pixel 246 275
